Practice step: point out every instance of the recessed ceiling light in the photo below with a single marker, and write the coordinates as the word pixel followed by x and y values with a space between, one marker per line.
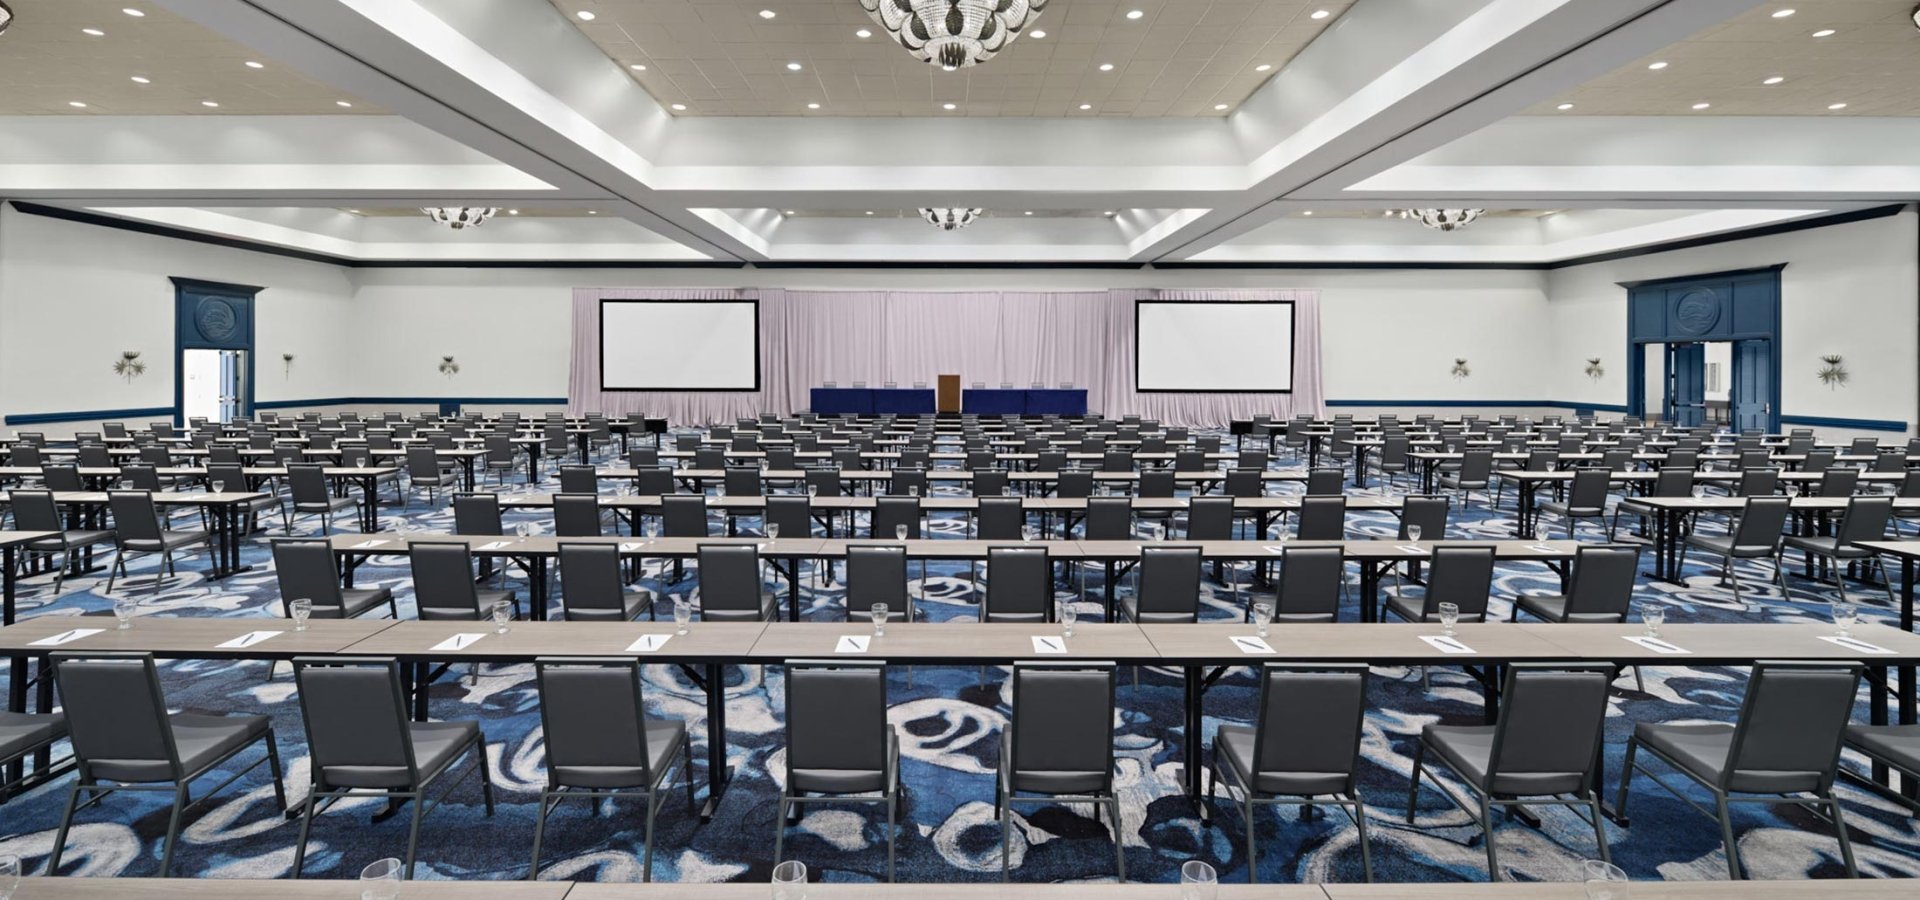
pixel 680 107
pixel 1782 13
pixel 948 106
pixel 869 212
pixel 1702 105
pixel 1564 106
pixel 863 33
pixel 95 32
pixel 585 15
pixel 1836 106
pixel 1657 66
pixel 1263 67
pixel 133 12
pixel 255 65
pixel 1219 106
pixel 1036 35
pixel 1134 14
pixel 1319 14
pixel 1824 32
pixel 1306 212
pixel 766 14
pixel 354 211
pixel 343 104
pixel 1106 67
pixel 1774 80
pixel 513 212
pixel 793 67
pixel 593 212
pixel 813 106
pixel 789 212
pixel 638 67
pixel 1086 106
pixel 142 79
pixel 1110 213
pixel 1027 213
pixel 76 104
pixel 209 104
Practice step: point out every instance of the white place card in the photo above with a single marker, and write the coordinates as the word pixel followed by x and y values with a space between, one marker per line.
pixel 1541 548
pixel 649 643
pixel 630 546
pixel 1855 644
pixel 368 544
pixel 460 641
pixel 1252 646
pixel 1446 644
pixel 852 643
pixel 494 545
pixel 247 640
pixel 1655 644
pixel 1409 548
pixel 66 637
pixel 1049 644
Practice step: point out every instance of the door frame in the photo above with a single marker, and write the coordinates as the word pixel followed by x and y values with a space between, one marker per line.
pixel 1735 305
pixel 212 315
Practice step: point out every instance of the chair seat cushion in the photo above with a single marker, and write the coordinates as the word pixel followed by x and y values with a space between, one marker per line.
pixel 1553 608
pixel 75 538
pixel 767 603
pixel 168 540
pixel 1306 617
pixel 1235 744
pixel 1701 750
pixel 1564 509
pixel 201 741
pixel 1408 608
pixel 663 745
pixel 435 745
pixel 1468 751
pixel 836 781
pixel 1158 617
pixel 1897 744
pixel 21 732
pixel 328 505
pixel 1825 546
pixel 355 601
pixel 632 604
pixel 1056 782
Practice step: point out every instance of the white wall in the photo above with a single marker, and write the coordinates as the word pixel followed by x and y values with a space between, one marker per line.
pixel 1850 289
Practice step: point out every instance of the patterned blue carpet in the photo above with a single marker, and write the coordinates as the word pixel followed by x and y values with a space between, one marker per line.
pixel 950 726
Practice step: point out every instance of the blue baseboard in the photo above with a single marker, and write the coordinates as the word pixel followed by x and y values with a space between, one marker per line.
pixel 1499 404
pixel 93 415
pixel 1855 424
pixel 89 415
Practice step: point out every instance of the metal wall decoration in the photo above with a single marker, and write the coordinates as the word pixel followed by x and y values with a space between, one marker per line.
pixel 954 34
pixel 1460 369
pixel 1834 373
pixel 1595 371
pixel 949 218
pixel 286 359
pixel 129 366
pixel 448 367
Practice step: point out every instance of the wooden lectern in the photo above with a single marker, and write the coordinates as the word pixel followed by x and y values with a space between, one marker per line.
pixel 947 394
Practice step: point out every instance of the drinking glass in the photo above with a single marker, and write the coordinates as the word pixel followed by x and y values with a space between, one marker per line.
pixel 773 531
pixel 790 880
pixel 524 529
pixel 1262 614
pixel 380 880
pixel 1844 617
pixel 300 608
pixel 1028 533
pixel 879 613
pixel 502 613
pixel 1413 533
pixel 1604 880
pixel 1540 533
pixel 1198 881
pixel 682 614
pixel 1654 615
pixel 1068 616
pixel 913 491
pixel 813 490
pixel 1449 614
pixel 652 529
pixel 899 532
pixel 123 610
pixel 9 875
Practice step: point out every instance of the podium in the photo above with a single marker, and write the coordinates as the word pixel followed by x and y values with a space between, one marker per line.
pixel 947 394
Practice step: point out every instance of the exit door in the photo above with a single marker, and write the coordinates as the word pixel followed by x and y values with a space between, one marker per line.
pixel 1751 394
pixel 213 384
pixel 1687 384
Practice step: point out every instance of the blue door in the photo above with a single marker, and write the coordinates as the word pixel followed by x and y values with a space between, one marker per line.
pixel 1687 384
pixel 1751 392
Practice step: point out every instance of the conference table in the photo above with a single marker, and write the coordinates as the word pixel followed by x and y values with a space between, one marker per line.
pixel 839 401
pixel 1024 401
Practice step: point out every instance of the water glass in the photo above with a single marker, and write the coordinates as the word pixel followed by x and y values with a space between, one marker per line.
pixel 1198 881
pixel 1028 533
pixel 1540 533
pixel 652 529
pixel 1654 615
pixel 790 880
pixel 1604 880
pixel 524 529
pixel 9 875
pixel 682 614
pixel 813 490
pixel 899 532
pixel 1413 533
pixel 1262 614
pixel 1844 617
pixel 300 608
pixel 1449 614
pixel 913 491
pixel 502 614
pixel 773 531
pixel 1068 616
pixel 879 613
pixel 380 880
pixel 123 610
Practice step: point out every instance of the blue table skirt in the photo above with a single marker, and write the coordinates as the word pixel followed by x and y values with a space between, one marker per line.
pixel 903 401
pixel 842 401
pixel 993 402
pixel 1057 402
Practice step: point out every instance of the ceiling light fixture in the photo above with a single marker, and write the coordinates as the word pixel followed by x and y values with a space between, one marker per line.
pixel 1027 213
pixel 1782 13
pixel 141 79
pixel 1306 212
pixel 1319 14
pixel 93 32
pixel 343 104
pixel 789 212
pixel 593 212
pixel 1086 106
pixel 1916 20
pixel 1564 106
pixel 766 14
pixel 210 104
pixel 1134 14
pixel 1828 32
pixel 1442 219
pixel 1038 34
pixel 1657 66
pixel 76 104
pixel 1217 107
pixel 513 212
pixel 255 65
pixel 459 218
pixel 679 107
pixel 957 33
pixel 638 67
pixel 1702 106
pixel 863 33
pixel 354 211
pixel 1106 67
pixel 869 212
pixel 1836 106
pixel 1263 67
pixel 1111 213
pixel 813 106
pixel 133 12
pixel 948 218
pixel 948 106
pixel 585 15
pixel 793 67
pixel 1774 80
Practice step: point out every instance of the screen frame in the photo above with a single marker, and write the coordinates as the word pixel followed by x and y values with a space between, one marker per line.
pixel 602 336
pixel 1293 350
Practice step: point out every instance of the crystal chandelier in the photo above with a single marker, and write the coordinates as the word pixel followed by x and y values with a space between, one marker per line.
pixel 1443 219
pixel 949 218
pixel 954 34
pixel 459 217
pixel 6 16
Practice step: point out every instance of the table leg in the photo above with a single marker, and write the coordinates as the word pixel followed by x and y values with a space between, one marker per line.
pixel 466 466
pixel 1108 590
pixel 1360 467
pixel 8 586
pixel 1877 711
pixel 537 587
pixel 1370 590
pixel 1196 789
pixel 1908 786
pixel 718 773
pixel 1523 519
pixel 370 505
pixel 16 702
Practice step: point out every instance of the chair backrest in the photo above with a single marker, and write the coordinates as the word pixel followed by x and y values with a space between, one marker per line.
pixel 989 482
pixel 889 512
pixel 576 515
pixel 475 513
pixel 95 456
pixel 1589 489
pixel 653 481
pixel 1427 511
pixel 730 581
pixel 1322 519
pixel 643 457
pixel 1476 466
pixel 1602 589
pixel 1672 481
pixel 1061 734
pixel 1817 460
pixel 1787 738
pixel 1252 459
pixel 1157 483
pixel 741 481
pixel 1210 519
pixel 578 479
pixel 1547 739
pixel 1310 721
pixel 1310 579
pixel 1074 484
pixel 62 477
pixel 792 513
pixel 356 719
pixel 1000 518
pixel 1019 585
pixel 1865 520
pixel 825 482
pixel 117 716
pixel 1758 481
pixel 134 515
pixel 443 585
pixel 307 569
pixel 1864 446
pixel 1839 481
pixel 1462 576
pixel 683 515
pixel 1325 482
pixel 1189 461
pixel 593 720
pixel 876 574
pixel 1910 485
pixel 1051 461
pixel 1244 482
pixel 35 511
pixel 1750 459
pixel 837 730
pixel 308 483
pixel 1168 587
pixel 908 482
pixel 1109 519
pixel 1762 523
pixel 591 582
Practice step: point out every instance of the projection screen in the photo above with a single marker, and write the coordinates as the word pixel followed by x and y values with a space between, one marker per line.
pixel 679 345
pixel 1236 347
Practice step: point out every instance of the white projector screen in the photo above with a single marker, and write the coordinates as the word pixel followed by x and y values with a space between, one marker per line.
pixel 1228 347
pixel 679 345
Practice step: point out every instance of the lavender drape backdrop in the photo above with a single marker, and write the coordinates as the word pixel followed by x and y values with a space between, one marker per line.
pixel 808 338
